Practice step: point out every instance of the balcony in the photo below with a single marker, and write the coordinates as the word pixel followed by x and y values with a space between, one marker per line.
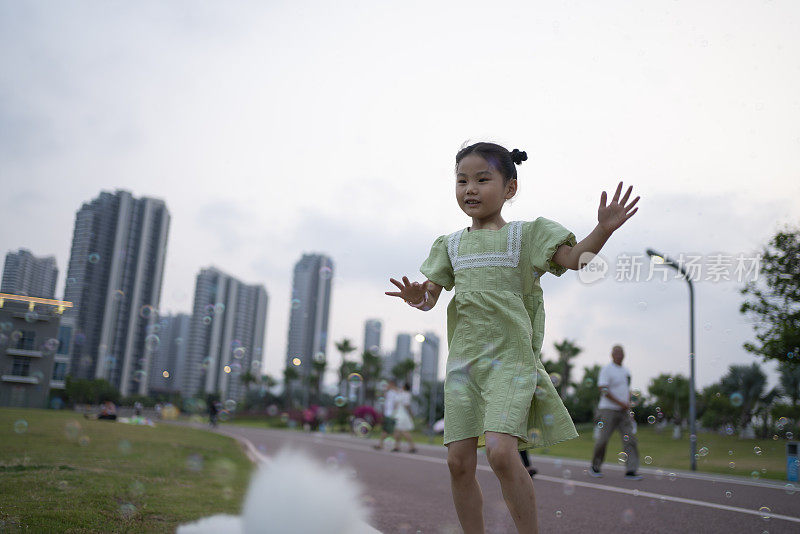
pixel 24 352
pixel 20 379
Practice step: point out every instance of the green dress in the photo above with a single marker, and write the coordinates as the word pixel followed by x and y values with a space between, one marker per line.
pixel 495 379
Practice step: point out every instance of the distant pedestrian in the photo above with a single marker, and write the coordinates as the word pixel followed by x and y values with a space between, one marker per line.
pixel 137 408
pixel 213 410
pixel 387 426
pixel 523 454
pixel 405 421
pixel 614 412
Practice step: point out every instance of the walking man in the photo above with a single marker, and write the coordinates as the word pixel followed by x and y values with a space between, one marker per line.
pixel 614 413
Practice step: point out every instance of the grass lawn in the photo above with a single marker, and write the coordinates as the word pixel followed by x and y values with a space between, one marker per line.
pixel 62 473
pixel 660 450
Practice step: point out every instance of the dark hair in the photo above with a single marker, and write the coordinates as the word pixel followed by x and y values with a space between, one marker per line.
pixel 497 156
pixel 407 386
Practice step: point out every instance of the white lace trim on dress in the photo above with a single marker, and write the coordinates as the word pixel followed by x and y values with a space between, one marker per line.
pixel 487 259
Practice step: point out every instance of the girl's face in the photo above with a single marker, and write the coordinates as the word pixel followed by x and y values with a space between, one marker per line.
pixel 480 188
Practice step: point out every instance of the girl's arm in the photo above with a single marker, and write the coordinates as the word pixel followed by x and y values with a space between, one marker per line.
pixel 609 218
pixel 423 296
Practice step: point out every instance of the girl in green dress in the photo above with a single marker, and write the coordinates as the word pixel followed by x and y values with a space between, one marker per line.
pixel 497 392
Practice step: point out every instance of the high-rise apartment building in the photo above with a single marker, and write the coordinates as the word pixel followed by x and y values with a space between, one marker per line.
pixel 372 336
pixel 169 354
pixel 310 307
pixel 401 352
pixel 25 274
pixel 226 336
pixel 429 358
pixel 114 279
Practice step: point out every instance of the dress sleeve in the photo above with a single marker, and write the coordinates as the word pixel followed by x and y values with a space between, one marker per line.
pixel 437 268
pixel 544 238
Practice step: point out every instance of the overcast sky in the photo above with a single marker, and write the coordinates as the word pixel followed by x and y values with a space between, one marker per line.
pixel 276 128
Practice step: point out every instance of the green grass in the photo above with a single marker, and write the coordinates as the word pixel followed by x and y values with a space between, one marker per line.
pixel 63 473
pixel 667 453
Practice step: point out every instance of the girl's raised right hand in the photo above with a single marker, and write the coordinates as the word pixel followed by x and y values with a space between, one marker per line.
pixel 411 292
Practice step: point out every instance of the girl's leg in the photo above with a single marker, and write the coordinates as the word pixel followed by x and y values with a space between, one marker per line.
pixel 501 451
pixel 462 459
pixel 411 446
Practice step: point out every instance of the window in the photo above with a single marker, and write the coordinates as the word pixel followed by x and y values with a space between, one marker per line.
pixel 21 366
pixel 26 341
pixel 59 370
pixel 64 337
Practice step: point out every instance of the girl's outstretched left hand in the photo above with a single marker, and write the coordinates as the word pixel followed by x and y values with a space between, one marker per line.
pixel 614 215
pixel 410 292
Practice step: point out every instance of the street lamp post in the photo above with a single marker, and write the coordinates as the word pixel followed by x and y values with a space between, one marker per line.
pixel 692 414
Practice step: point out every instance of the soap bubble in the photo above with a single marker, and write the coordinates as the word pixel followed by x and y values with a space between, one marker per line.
pixel 736 399
pixel 555 378
pixel 325 272
pixel 94 257
pixel 339 401
pixel 703 451
pixel 648 460
pixel 295 304
pixel 651 419
pixel 622 457
pixel 20 426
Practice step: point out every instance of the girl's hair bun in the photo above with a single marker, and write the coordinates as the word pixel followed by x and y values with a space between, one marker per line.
pixel 518 156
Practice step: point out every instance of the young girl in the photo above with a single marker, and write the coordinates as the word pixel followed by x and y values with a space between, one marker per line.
pixel 497 392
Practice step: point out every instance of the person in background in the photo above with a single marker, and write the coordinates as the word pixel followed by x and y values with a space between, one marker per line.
pixel 405 421
pixel 389 398
pixel 614 412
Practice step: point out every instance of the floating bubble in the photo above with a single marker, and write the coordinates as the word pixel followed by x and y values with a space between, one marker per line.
pixel 736 399
pixel 636 397
pixel 627 516
pixel 56 403
pixel 147 311
pixel 569 487
pixel 230 405
pixel 765 512
pixel 790 488
pixel 50 346
pixel 319 357
pixel 789 435
pixel 588 382
pixel 325 272
pixel 703 451
pixel 648 460
pixel 219 308
pixel 555 378
pixel 559 514
pixel 622 457
pixel 600 425
pixel 136 489
pixel 31 316
pixel 642 306
pixel 566 473
pixel 548 419
pixel 755 475
pixel 94 257
pixel 757 450
pixel 207 320
pixel 355 378
pixel 362 428
pixel 339 401
pixel 224 415
pixel 729 494
pixel 84 441
pixel 626 438
pixel 272 410
pixel 139 375
pixel 729 430
pixel 239 352
pixel 165 373
pixel 672 477
pixel 152 341
pixel 127 510
pixel 295 304
pixel 732 465
pixel 651 419
pixel 296 361
pixel 20 426
pixel 227 369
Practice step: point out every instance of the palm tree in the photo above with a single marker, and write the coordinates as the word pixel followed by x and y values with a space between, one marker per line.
pixel 371 370
pixel 567 350
pixel 344 347
pixel 247 378
pixel 317 375
pixel 290 374
pixel 403 370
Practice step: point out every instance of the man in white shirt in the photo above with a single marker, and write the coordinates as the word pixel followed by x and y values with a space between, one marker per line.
pixel 613 413
pixel 389 400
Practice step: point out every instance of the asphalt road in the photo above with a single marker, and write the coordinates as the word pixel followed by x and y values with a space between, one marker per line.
pixel 410 493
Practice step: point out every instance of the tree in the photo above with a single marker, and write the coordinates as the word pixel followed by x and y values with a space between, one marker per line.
pixel 671 394
pixel 746 384
pixel 402 371
pixel 344 347
pixel 290 374
pixel 567 350
pixel 582 403
pixel 773 300
pixel 715 408
pixel 247 378
pixel 371 368
pixel 790 381
pixel 318 365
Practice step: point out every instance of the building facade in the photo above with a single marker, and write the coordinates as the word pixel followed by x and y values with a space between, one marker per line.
pixel 429 359
pixel 226 336
pixel 372 336
pixel 309 312
pixel 169 354
pixel 401 352
pixel 25 274
pixel 29 343
pixel 114 280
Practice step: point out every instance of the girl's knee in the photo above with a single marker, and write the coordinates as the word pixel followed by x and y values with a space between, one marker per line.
pixel 461 465
pixel 502 460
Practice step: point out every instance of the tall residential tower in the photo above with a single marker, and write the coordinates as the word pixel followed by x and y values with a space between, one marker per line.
pixel 25 274
pixel 114 279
